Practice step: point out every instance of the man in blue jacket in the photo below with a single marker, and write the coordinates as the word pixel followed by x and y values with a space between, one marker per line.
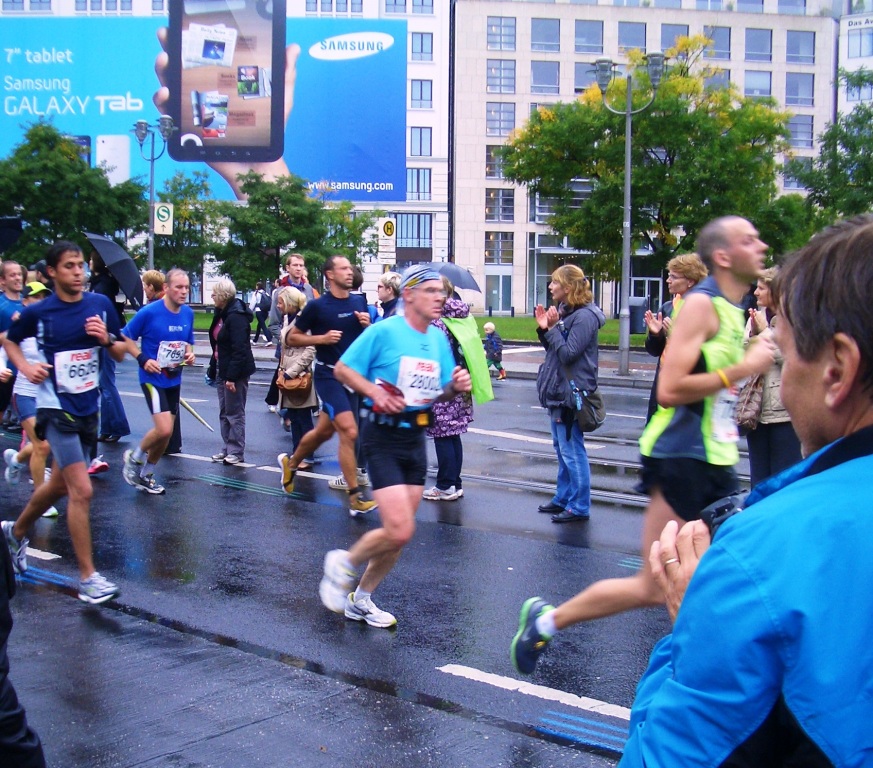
pixel 771 661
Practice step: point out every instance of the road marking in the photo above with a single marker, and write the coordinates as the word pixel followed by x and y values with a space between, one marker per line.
pixel 525 438
pixel 139 394
pixel 540 691
pixel 40 555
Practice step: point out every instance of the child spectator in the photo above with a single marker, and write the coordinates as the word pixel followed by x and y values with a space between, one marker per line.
pixel 494 350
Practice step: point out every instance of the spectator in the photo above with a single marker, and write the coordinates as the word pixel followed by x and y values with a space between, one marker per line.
pixel 493 346
pixel 153 285
pixel 260 307
pixel 388 291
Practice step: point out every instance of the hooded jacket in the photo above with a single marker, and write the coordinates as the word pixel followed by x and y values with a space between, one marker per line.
pixel 230 346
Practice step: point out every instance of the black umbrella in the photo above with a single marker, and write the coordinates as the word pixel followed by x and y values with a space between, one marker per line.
pixel 121 265
pixel 458 276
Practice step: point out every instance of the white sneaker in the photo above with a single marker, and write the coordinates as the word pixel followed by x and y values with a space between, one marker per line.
pixel 366 610
pixel 339 483
pixel 51 512
pixel 338 580
pixel 13 468
pixel 435 494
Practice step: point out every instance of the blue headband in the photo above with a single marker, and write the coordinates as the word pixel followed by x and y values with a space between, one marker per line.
pixel 415 276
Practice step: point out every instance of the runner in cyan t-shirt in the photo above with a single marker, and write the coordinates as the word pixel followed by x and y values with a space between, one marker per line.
pixel 401 366
pixel 70 327
pixel 166 328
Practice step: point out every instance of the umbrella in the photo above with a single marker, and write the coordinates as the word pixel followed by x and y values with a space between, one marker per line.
pixel 122 266
pixel 458 276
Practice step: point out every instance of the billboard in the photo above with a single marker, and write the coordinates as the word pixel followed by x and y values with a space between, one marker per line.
pixel 93 78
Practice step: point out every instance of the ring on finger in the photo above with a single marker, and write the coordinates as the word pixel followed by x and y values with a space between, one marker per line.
pixel 671 560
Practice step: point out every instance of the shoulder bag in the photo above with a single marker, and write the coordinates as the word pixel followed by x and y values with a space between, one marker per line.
pixel 749 402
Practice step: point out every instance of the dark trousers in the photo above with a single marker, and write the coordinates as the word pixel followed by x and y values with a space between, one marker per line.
pixel 450 459
pixel 772 448
pixel 301 423
pixel 261 317
pixel 19 745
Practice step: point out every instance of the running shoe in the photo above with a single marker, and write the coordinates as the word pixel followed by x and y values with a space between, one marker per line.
pixel 17 549
pixel 148 484
pixel 528 643
pixel 437 494
pixel 366 610
pixel 51 512
pixel 232 459
pixel 460 492
pixel 339 483
pixel 219 457
pixel 96 590
pixel 13 468
pixel 339 579
pixel 129 470
pixel 98 465
pixel 361 506
pixel 288 472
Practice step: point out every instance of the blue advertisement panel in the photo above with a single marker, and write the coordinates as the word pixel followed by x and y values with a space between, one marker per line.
pixel 93 78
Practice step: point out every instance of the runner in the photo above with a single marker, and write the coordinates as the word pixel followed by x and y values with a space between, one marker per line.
pixel 401 366
pixel 166 328
pixel 69 326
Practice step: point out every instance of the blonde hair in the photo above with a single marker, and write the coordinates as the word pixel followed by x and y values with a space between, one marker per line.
pixel 154 279
pixel 488 328
pixel 292 299
pixel 689 265
pixel 572 279
pixel 224 290
pixel 391 280
pixel 767 275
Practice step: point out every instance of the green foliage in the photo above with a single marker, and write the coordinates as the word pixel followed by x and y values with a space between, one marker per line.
pixel 840 179
pixel 786 224
pixel 697 153
pixel 58 195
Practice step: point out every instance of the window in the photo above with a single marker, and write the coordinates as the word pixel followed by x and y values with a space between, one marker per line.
pixel 670 33
pixel 799 89
pixel 498 247
pixel 667 3
pixel 540 208
pixel 583 77
pixel 759 45
pixel 719 79
pixel 709 5
pixel 545 77
pixel 418 183
pixel 589 37
pixel 499 118
pixel 631 34
pixel 750 6
pixel 422 46
pixel 545 35
pixel 501 76
pixel 790 182
pixel 757 83
pixel 501 33
pixel 421 94
pixel 864 93
pixel 720 48
pixel 797 7
pixel 18 5
pixel 413 230
pixel 500 205
pixel 395 6
pixel 327 6
pixel 860 42
pixel 311 6
pixel 800 48
pixel 627 3
pixel 420 142
pixel 422 6
pixel 801 131
pixel 493 162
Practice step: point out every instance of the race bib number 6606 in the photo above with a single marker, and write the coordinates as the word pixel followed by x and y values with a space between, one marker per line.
pixel 77 370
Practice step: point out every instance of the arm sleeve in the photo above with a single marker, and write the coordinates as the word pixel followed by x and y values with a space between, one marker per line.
pixel 569 350
pixel 655 343
pixel 712 683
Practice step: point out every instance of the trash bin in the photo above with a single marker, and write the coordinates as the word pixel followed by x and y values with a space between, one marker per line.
pixel 637 306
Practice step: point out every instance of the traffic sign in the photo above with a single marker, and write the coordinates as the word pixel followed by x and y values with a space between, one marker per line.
pixel 387 240
pixel 163 218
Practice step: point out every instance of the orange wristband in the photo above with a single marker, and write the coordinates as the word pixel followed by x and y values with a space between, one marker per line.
pixel 724 379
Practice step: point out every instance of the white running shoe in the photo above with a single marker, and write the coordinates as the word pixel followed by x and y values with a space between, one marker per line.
pixel 51 512
pixel 338 580
pixel 96 590
pixel 366 610
pixel 13 468
pixel 17 549
pixel 435 494
pixel 339 483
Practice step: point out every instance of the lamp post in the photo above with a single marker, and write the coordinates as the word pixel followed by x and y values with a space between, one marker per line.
pixel 604 70
pixel 142 129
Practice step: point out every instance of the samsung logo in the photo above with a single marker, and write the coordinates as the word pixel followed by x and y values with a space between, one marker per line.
pixel 355 45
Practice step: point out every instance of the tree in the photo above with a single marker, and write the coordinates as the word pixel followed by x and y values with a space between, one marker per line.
pixel 840 179
pixel 58 195
pixel 697 153
pixel 195 223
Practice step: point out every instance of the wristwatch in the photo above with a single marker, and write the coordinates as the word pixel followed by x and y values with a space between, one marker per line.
pixel 112 339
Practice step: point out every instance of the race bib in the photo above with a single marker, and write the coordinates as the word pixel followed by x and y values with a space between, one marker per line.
pixel 419 380
pixel 724 423
pixel 171 354
pixel 77 370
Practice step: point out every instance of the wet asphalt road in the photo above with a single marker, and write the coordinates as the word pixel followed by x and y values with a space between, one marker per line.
pixel 219 653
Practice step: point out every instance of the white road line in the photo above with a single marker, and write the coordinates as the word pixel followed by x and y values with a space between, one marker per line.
pixel 524 438
pixel 40 555
pixel 540 691
pixel 139 394
pixel 195 457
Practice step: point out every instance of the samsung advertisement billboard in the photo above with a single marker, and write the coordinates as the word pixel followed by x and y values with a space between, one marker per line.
pixel 336 116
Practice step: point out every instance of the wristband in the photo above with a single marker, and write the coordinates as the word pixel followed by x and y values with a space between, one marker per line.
pixel 724 379
pixel 142 359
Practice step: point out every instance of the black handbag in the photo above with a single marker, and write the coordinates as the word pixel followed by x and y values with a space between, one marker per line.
pixel 590 410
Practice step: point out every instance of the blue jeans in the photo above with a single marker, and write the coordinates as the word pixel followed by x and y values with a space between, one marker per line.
pixel 573 491
pixel 113 420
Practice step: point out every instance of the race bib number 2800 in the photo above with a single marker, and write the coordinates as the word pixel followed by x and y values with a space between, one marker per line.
pixel 77 370
pixel 420 381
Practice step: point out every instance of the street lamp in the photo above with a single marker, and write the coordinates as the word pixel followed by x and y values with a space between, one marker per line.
pixel 142 129
pixel 604 71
